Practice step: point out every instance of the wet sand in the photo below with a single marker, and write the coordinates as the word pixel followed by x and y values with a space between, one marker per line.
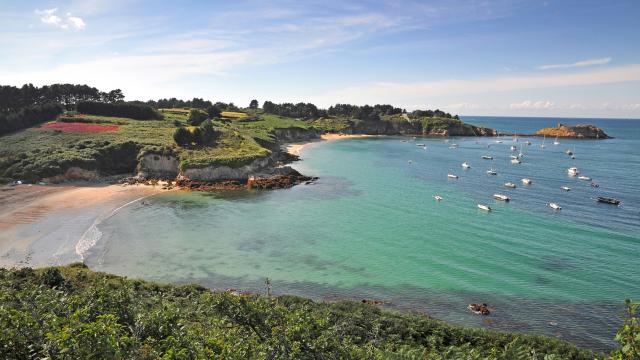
pixel 42 225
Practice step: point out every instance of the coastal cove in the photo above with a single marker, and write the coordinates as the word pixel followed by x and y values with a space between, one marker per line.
pixel 369 228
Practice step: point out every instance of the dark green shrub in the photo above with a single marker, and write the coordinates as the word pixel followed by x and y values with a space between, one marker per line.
pixel 121 109
pixel 196 117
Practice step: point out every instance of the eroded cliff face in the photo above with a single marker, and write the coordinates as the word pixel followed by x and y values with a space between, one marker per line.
pixel 158 166
pixel 296 134
pixel 577 132
pixel 218 172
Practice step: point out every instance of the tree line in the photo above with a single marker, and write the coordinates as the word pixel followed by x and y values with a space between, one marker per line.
pixel 365 112
pixel 121 109
pixel 68 95
pixel 28 116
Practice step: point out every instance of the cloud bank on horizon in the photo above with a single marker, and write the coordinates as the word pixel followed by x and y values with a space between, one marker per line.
pixel 471 57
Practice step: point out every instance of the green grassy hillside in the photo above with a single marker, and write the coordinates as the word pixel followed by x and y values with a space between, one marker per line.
pixel 74 313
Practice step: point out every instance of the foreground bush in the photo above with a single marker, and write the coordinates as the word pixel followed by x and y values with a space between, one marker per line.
pixel 74 313
pixel 28 116
pixel 121 109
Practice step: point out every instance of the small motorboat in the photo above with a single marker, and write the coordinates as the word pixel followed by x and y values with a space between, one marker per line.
pixel 484 207
pixel 510 185
pixel 573 171
pixel 403 140
pixel 527 142
pixel 487 157
pixel 514 157
pixel 437 197
pixel 498 141
pixel 608 200
pixel 516 161
pixel 501 197
pixel 492 172
pixel 451 176
pixel 453 146
pixel 565 188
pixel 568 152
pixel 410 162
pixel 421 145
pixel 513 148
pixel 585 178
pixel 594 185
pixel 465 165
pixel 555 206
pixel 526 181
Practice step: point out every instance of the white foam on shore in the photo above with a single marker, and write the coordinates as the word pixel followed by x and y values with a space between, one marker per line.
pixel 91 237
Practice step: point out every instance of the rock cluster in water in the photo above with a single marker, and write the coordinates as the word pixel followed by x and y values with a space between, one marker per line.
pixel 581 131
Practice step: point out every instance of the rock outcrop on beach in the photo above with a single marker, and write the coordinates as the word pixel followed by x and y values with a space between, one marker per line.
pixel 581 131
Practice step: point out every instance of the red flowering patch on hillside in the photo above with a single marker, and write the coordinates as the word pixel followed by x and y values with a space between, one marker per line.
pixel 77 127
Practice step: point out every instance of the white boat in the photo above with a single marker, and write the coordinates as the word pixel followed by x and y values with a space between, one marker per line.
pixel 410 162
pixel 568 152
pixel 526 181
pixel 543 139
pixel 585 178
pixel 554 206
pixel 513 156
pixel 451 176
pixel 453 146
pixel 513 148
pixel 573 171
pixel 510 185
pixel 515 161
pixel 501 197
pixel 487 157
pixel 556 142
pixel 465 165
pixel 484 207
pixel 437 197
pixel 527 142
pixel 492 172
pixel 565 188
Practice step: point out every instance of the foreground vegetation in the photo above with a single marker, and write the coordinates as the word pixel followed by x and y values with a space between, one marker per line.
pixel 74 313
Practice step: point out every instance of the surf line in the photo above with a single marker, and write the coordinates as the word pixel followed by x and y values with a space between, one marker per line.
pixel 91 236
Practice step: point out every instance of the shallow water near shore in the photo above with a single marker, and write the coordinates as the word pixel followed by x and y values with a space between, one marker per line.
pixel 370 228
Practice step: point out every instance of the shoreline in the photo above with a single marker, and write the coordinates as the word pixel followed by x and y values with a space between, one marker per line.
pixel 44 225
pixel 295 147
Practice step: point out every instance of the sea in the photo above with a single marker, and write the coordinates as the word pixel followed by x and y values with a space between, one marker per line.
pixel 370 228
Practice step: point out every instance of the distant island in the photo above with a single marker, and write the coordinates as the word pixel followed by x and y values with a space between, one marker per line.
pixel 581 131
pixel 67 132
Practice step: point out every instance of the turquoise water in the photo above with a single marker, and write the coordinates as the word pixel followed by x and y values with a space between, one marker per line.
pixel 369 228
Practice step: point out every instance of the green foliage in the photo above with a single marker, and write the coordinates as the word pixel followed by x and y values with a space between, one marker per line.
pixel 628 336
pixel 196 117
pixel 122 109
pixel 182 137
pixel 213 112
pixel 28 116
pixel 100 316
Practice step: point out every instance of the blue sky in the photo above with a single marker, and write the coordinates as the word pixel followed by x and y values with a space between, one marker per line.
pixel 469 57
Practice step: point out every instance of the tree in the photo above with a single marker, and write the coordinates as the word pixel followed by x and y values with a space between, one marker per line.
pixel 196 117
pixel 253 104
pixel 213 112
pixel 182 137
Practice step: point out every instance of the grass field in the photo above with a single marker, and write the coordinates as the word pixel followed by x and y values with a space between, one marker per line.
pixel 99 142
pixel 233 114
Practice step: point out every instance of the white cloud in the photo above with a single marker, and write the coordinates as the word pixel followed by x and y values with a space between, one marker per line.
pixel 528 104
pixel 49 17
pixel 76 22
pixel 413 92
pixel 590 62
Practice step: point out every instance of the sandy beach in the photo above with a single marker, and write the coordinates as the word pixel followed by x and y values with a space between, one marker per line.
pixel 295 148
pixel 42 224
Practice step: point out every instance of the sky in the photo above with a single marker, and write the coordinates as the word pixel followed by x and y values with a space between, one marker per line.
pixel 469 57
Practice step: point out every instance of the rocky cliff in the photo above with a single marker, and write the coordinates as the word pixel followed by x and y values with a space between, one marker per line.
pixel 422 127
pixel 574 131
